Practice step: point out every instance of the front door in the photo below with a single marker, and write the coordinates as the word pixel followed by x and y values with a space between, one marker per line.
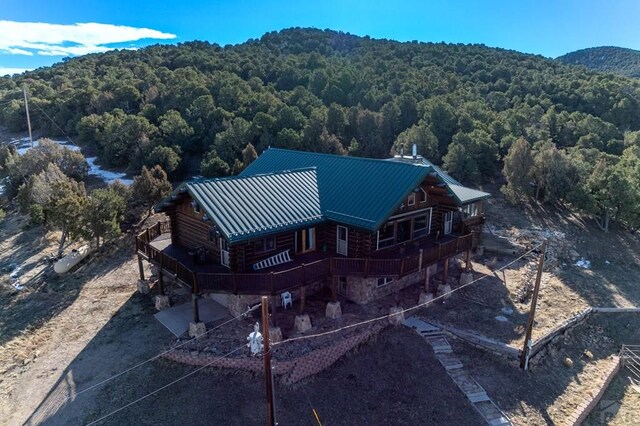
pixel 224 252
pixel 341 246
pixel 448 222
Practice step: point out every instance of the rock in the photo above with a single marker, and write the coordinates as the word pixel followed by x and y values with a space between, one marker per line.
pixel 302 323
pixel 333 310
pixel 275 334
pixel 466 278
pixel 425 298
pixel 588 354
pixel 502 318
pixel 197 329
pixel 573 255
pixel 396 315
pixel 162 302
pixel 143 286
pixel 506 310
pixel 568 362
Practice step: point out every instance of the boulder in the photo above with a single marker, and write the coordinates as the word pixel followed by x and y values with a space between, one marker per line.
pixel 446 290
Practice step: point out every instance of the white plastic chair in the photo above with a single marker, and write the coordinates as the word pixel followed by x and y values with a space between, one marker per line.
pixel 286 299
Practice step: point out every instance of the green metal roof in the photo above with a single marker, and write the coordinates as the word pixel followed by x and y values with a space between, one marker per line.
pixel 359 192
pixel 461 193
pixel 251 206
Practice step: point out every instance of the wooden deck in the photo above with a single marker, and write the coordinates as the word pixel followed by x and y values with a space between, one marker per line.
pixel 155 246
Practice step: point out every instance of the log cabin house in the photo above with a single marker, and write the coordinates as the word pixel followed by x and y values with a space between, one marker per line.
pixel 294 221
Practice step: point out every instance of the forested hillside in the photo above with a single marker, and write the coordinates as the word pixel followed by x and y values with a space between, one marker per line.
pixel 616 60
pixel 465 106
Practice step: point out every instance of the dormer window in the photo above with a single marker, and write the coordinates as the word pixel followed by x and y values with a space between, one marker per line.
pixel 412 199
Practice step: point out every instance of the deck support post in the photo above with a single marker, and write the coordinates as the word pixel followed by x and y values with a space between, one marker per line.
pixel 334 290
pixel 160 282
pixel 274 315
pixel 196 310
pixel 302 297
pixel 445 272
pixel 468 261
pixel 140 267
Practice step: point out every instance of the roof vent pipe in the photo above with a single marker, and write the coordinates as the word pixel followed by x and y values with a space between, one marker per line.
pixel 401 152
pixel 414 151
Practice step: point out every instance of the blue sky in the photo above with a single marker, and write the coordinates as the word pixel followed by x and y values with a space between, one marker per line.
pixel 545 27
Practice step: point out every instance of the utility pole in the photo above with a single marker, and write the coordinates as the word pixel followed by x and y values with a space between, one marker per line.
pixel 26 108
pixel 268 377
pixel 524 356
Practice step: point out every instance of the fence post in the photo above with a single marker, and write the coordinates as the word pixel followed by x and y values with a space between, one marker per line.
pixel 366 267
pixel 402 267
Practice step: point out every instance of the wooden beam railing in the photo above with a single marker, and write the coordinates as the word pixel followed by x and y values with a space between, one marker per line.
pixel 272 283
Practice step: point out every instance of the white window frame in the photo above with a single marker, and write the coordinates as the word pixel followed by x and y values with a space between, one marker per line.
pixel 311 233
pixel 346 240
pixel 471 209
pixel 411 200
pixel 392 239
pixel 425 196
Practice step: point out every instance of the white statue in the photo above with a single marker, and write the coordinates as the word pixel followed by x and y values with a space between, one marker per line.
pixel 255 340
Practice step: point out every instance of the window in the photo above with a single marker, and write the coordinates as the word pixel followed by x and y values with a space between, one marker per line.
pixel 386 236
pixel 212 235
pixel 472 209
pixel 264 245
pixel 306 240
pixel 403 231
pixel 412 199
pixel 384 281
pixel 423 196
pixel 422 225
pixel 196 207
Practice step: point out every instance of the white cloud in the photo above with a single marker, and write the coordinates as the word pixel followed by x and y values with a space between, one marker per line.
pixel 10 71
pixel 28 38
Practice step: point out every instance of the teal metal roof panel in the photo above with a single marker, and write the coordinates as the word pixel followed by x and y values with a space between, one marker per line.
pixel 253 206
pixel 467 195
pixel 461 193
pixel 360 192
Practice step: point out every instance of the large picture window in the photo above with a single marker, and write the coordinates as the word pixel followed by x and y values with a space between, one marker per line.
pixel 471 210
pixel 422 225
pixel 386 236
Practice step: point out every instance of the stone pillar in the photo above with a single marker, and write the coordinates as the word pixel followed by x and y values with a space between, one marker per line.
pixel 275 334
pixel 333 310
pixel 446 289
pixel 302 323
pixel 396 315
pixel 162 302
pixel 466 278
pixel 143 286
pixel 197 329
pixel 425 298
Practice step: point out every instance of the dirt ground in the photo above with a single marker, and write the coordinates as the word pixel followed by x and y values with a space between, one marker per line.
pixel 61 334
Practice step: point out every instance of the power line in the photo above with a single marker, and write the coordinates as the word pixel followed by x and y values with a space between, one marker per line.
pixel 54 123
pixel 157 356
pixel 384 317
pixel 165 386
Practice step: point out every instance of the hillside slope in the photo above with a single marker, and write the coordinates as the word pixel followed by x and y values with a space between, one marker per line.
pixel 615 60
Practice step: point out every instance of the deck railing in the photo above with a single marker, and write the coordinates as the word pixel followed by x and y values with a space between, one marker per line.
pixel 272 283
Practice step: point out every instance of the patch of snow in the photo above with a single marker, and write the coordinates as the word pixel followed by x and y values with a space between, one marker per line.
pixel 607 262
pixel 502 318
pixel 15 273
pixel 583 263
pixel 106 175
pixel 507 310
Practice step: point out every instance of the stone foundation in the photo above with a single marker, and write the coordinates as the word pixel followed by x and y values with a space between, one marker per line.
pixel 162 302
pixel 365 290
pixel 333 311
pixel 197 329
pixel 446 290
